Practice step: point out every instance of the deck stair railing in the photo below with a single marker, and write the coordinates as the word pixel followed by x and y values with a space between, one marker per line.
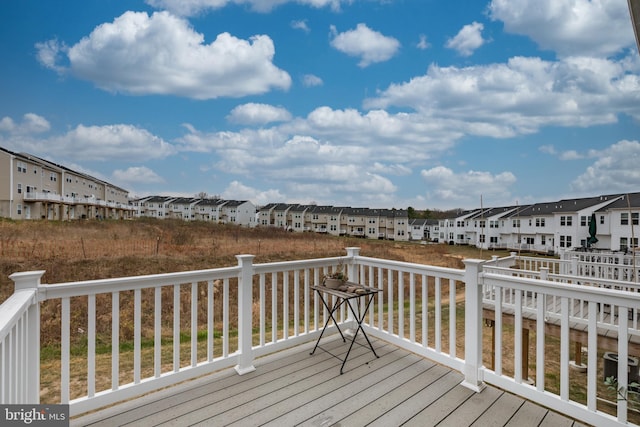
pixel 183 325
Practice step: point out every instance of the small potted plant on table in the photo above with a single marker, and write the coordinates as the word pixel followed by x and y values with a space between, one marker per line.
pixel 335 279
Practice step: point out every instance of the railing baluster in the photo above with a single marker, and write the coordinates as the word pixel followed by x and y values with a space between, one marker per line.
pixel 412 307
pixel 115 340
pixel 400 304
pixel 438 316
pixel 262 280
pixel 225 318
pixel 564 348
pixel 517 344
pixel 176 327
pixel 91 345
pixel 274 307
pixel 497 327
pixel 425 311
pixel 452 318
pixel 65 324
pixel 540 342
pixel 296 302
pixel 285 305
pixel 157 331
pixel 194 324
pixel 210 318
pixel 592 356
pixel 390 309
pixel 137 332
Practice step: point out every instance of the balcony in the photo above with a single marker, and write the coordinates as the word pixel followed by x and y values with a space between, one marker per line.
pixel 262 319
pixel 67 200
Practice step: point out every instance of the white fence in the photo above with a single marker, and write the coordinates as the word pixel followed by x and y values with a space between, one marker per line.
pixel 250 310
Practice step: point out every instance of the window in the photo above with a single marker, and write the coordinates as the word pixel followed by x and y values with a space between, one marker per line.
pixel 22 167
pixel 583 221
pixel 19 209
pixel 566 220
pixel 565 241
pixel 601 219
pixel 624 218
pixel 19 188
pixel 493 239
pixel 540 222
pixel 482 238
pixel 516 223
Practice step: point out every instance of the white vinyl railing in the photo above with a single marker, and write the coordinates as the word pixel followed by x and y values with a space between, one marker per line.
pixel 164 329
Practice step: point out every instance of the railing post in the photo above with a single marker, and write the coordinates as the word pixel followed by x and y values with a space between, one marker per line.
pixel 352 272
pixel 473 326
pixel 30 281
pixel 245 307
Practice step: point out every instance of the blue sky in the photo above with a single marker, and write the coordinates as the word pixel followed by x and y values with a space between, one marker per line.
pixel 376 103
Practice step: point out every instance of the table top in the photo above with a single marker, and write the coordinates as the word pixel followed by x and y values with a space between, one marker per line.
pixel 348 290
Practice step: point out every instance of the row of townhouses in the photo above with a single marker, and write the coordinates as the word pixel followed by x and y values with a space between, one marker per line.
pixel 550 227
pixel 34 188
pixel 197 209
pixel 391 224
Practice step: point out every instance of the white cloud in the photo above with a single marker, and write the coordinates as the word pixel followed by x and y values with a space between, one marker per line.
pixel 137 175
pixel 614 170
pixel 520 96
pixel 31 124
pixel 568 27
pixel 194 7
pixel 100 144
pixel 468 39
pixel 465 189
pixel 161 54
pixel 370 46
pixel 423 43
pixel 310 80
pixel 251 114
pixel 301 25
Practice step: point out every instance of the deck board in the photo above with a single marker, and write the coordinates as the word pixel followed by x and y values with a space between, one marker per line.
pixel 295 388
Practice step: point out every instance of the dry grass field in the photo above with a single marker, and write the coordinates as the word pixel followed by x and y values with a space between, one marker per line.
pixel 85 250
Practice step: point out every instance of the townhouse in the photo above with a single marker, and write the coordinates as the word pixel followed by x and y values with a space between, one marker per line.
pixel 549 227
pixel 34 188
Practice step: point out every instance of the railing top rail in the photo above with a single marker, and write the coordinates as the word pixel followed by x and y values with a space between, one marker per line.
pixel 570 290
pixel 299 264
pixel 71 289
pixel 13 308
pixel 452 273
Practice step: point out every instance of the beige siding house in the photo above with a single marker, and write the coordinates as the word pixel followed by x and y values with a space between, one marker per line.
pixel 34 188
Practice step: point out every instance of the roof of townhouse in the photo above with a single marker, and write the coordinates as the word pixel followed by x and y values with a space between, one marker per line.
pixel 183 200
pixel 157 199
pixel 299 208
pixel 623 201
pixel 210 202
pixel 417 222
pixel 573 205
pixel 492 212
pixel 233 203
pixel 268 207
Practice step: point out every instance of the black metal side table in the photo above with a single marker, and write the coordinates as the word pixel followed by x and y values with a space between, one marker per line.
pixel 351 294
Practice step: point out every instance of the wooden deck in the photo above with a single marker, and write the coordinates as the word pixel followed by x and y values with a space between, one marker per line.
pixel 296 388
